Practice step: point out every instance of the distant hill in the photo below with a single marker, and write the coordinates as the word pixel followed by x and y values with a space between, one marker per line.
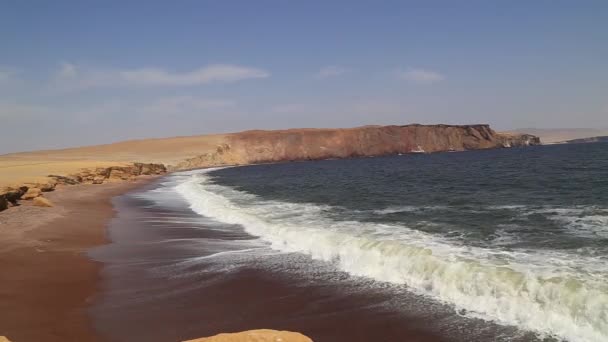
pixel 552 136
pixel 588 140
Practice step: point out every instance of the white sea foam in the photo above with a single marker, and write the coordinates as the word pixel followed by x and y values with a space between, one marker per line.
pixel 585 221
pixel 550 292
pixel 397 209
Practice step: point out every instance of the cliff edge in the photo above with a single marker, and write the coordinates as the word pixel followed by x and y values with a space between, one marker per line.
pixel 28 175
pixel 252 147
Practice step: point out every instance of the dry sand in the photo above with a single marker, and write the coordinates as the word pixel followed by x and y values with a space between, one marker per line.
pixel 19 168
pixel 46 280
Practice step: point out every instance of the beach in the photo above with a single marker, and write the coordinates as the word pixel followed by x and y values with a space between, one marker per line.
pixel 293 246
pixel 346 249
pixel 47 279
pixel 160 282
pixel 57 287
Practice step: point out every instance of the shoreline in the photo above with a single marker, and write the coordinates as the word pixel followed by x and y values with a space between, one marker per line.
pixel 160 283
pixel 47 280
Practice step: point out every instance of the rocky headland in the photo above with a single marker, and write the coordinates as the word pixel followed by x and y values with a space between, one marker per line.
pixel 62 202
pixel 27 176
pixel 251 147
pixel 587 140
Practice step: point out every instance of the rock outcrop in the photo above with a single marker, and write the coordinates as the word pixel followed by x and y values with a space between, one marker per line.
pixel 518 140
pixel 261 335
pixel 42 202
pixel 252 147
pixel 10 196
pixel 587 140
pixel 34 191
pixel 113 173
pixel 31 193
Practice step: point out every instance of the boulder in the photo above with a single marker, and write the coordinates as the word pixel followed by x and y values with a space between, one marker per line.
pixel 261 335
pixel 42 202
pixel 149 169
pixel 44 186
pixel 3 203
pixel 12 195
pixel 122 173
pixel 31 193
pixel 98 180
pixel 69 180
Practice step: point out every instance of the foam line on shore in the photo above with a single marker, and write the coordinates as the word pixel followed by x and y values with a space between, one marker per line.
pixel 548 292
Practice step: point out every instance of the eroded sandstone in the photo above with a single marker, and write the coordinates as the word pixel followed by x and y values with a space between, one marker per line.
pixel 252 147
pixel 260 335
pixel 42 202
pixel 33 191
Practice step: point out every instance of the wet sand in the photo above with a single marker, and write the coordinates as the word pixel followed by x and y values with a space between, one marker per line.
pixel 158 286
pixel 46 279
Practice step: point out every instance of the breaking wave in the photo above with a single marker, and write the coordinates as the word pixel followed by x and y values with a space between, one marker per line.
pixel 554 293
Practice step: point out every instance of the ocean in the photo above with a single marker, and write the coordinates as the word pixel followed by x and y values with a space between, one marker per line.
pixel 491 245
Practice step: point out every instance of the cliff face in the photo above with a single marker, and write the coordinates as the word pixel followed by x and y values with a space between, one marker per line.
pixel 313 144
pixel 518 140
pixel 249 148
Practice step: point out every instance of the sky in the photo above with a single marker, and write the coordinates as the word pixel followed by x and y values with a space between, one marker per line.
pixel 76 73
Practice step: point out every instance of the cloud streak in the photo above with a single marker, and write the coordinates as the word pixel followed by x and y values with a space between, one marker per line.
pixel 7 74
pixel 185 104
pixel 331 71
pixel 420 76
pixel 73 76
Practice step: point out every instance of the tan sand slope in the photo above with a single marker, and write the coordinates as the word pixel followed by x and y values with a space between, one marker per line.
pixel 17 168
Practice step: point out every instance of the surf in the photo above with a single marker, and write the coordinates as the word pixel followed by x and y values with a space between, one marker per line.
pixel 548 292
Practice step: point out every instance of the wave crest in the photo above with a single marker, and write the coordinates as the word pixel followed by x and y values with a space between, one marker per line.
pixel 544 293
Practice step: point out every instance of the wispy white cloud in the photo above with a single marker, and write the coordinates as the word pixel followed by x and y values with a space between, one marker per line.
pixel 67 70
pixel 185 105
pixel 331 71
pixel 208 74
pixel 422 76
pixel 160 108
pixel 22 111
pixel 290 108
pixel 73 76
pixel 4 75
pixel 7 74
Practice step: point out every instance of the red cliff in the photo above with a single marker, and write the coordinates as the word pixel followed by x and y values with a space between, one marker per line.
pixel 313 144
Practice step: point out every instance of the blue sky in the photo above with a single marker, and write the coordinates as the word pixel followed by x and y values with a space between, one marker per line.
pixel 88 72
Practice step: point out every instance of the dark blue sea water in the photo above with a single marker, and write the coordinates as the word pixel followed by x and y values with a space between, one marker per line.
pixel 496 245
pixel 516 236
